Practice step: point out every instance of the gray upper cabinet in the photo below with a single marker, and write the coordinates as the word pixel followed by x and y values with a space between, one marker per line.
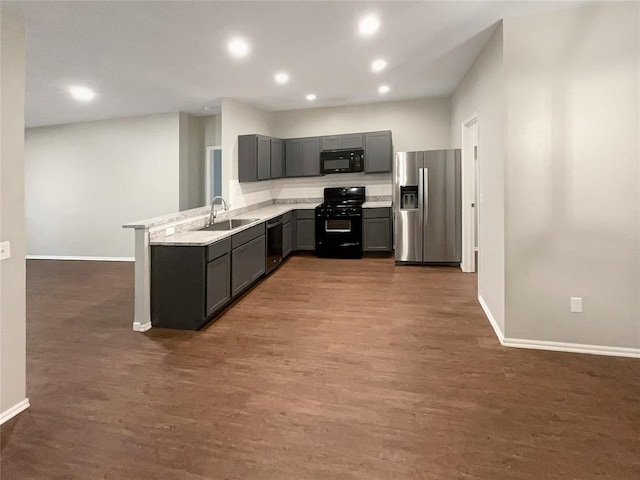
pixel 378 152
pixel 254 158
pixel 277 158
pixel 353 140
pixel 310 156
pixel 333 142
pixel 293 157
pixel 261 157
pixel 302 157
pixel 337 142
pixel 264 158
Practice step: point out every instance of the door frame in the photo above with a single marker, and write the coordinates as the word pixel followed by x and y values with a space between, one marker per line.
pixel 207 172
pixel 470 177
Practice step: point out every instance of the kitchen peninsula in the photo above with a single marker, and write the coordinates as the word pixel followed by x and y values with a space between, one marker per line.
pixel 184 229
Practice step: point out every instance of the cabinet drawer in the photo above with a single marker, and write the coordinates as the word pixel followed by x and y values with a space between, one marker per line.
pixel 305 214
pixel 218 249
pixel 384 212
pixel 287 217
pixel 247 235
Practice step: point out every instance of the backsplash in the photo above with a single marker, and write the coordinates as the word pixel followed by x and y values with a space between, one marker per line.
pixel 281 190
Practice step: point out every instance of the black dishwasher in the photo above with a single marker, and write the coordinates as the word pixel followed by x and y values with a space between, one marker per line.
pixel 274 243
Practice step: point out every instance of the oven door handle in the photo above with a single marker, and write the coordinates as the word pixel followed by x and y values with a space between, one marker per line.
pixel 275 224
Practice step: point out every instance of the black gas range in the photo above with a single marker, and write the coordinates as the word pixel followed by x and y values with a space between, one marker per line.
pixel 339 223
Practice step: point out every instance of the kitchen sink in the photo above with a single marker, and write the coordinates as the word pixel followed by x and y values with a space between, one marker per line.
pixel 228 224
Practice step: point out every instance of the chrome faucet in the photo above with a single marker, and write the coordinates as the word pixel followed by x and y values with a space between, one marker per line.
pixel 212 215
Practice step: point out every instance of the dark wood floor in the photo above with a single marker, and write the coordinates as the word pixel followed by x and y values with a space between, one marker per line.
pixel 329 369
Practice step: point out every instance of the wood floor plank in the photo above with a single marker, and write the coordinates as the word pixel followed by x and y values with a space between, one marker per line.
pixel 328 369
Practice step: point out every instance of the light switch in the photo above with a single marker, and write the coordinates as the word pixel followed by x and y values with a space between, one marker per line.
pixel 5 250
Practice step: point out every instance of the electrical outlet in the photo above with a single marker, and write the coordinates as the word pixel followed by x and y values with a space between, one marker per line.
pixel 5 250
pixel 576 304
pixel 170 231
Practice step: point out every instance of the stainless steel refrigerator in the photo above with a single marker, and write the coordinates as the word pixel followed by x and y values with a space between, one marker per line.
pixel 427 207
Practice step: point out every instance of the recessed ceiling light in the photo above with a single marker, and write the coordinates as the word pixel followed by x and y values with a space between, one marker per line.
pixel 383 89
pixel 238 48
pixel 378 65
pixel 281 78
pixel 82 94
pixel 311 97
pixel 369 25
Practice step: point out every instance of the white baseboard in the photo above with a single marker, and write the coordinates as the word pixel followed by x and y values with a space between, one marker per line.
pixel 13 411
pixel 141 327
pixel 556 346
pixel 94 259
pixel 572 347
pixel 492 320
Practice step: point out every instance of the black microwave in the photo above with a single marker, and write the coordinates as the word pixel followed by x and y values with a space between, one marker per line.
pixel 341 161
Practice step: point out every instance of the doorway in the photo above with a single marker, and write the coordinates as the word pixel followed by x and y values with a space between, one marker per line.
pixel 213 173
pixel 471 195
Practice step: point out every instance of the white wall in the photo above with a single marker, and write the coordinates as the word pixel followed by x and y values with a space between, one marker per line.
pixel 421 124
pixel 192 161
pixel 416 124
pixel 212 130
pixel 239 119
pixel 12 229
pixel 572 176
pixel 85 180
pixel 482 91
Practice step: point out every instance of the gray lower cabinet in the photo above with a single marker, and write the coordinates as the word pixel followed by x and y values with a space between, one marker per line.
pixel 377 230
pixel 302 157
pixel 254 158
pixel 218 283
pixel 287 238
pixel 189 284
pixel 378 152
pixel 248 264
pixel 305 230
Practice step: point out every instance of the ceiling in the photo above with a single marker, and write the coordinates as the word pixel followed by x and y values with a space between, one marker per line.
pixel 144 57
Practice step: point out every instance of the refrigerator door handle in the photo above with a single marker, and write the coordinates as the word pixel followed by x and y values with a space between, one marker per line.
pixel 421 193
pixel 425 201
pixel 422 208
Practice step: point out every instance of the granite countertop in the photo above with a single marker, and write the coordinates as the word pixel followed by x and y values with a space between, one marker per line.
pixel 203 238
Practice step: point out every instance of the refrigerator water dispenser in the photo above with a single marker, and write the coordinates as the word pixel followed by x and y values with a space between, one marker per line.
pixel 408 197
